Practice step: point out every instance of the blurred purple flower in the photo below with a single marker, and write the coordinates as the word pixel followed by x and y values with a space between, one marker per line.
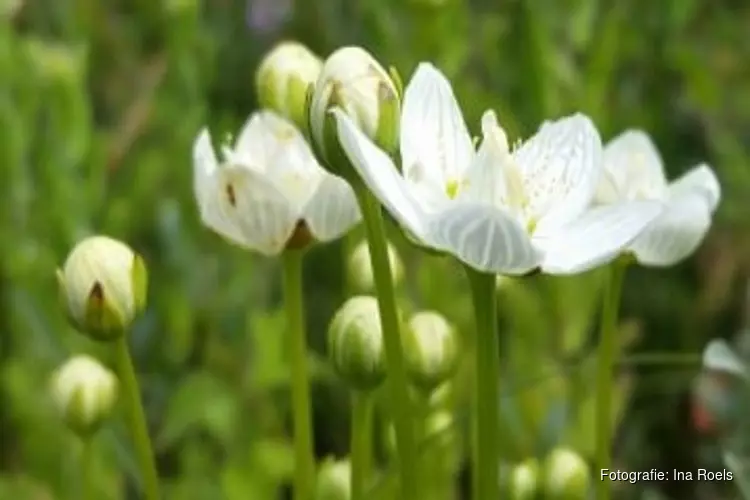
pixel 267 16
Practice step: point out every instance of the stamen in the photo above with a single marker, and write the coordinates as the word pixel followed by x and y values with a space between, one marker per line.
pixel 451 189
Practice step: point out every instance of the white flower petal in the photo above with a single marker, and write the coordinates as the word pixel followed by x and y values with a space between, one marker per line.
pixel 249 210
pixel 435 143
pixel 701 178
pixel 484 238
pixel 718 356
pixel 561 166
pixel 635 166
pixel 597 237
pixel 676 234
pixel 204 163
pixel 332 210
pixel 380 176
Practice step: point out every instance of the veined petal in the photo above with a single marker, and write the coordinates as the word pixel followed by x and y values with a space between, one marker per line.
pixel 204 165
pixel 484 238
pixel 380 175
pixel 676 234
pixel 701 178
pixel 332 210
pixel 597 237
pixel 435 143
pixel 249 210
pixel 635 166
pixel 561 166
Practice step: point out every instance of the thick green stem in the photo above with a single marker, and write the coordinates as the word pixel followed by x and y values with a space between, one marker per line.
pixel 606 360
pixel 87 463
pixel 401 403
pixel 303 440
pixel 486 386
pixel 361 443
pixel 137 420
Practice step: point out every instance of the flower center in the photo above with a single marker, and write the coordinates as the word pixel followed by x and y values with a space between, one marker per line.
pixel 451 188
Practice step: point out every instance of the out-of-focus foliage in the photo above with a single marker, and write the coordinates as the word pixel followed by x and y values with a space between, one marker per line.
pixel 99 105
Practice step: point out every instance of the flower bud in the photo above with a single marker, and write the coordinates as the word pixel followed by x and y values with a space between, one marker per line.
pixel 84 392
pixel 566 476
pixel 334 480
pixel 360 268
pixel 351 79
pixel 355 343
pixel 430 350
pixel 103 285
pixel 524 480
pixel 283 77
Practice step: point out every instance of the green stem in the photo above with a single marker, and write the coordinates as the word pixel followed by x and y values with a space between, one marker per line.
pixel 606 360
pixel 137 419
pixel 87 463
pixel 361 442
pixel 303 440
pixel 486 386
pixel 401 403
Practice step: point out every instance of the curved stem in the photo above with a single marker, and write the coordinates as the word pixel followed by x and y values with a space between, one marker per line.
pixel 401 404
pixel 87 463
pixel 303 441
pixel 137 420
pixel 361 442
pixel 606 360
pixel 486 386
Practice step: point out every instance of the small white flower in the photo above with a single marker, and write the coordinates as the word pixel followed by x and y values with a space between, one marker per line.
pixel 270 193
pixel 84 392
pixel 719 356
pixel 634 171
pixel 496 210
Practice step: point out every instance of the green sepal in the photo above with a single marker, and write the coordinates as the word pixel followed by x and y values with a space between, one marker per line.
pixel 139 274
pixel 397 81
pixel 389 118
pixel 102 321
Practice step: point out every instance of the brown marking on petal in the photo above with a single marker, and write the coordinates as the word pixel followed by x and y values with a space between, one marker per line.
pixel 229 190
pixel 301 236
pixel 97 292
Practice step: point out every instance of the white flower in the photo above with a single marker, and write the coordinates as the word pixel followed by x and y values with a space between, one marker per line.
pixel 634 171
pixel 495 210
pixel 270 193
pixel 719 356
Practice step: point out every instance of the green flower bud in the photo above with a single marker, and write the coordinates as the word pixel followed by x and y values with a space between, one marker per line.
pixel 84 392
pixel 351 79
pixel 524 480
pixel 334 480
pixel 283 79
pixel 355 343
pixel 430 350
pixel 566 476
pixel 359 267
pixel 103 285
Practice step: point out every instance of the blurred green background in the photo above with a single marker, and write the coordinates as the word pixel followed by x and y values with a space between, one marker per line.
pixel 99 105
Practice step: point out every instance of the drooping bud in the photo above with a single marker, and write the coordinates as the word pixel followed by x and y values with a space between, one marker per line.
pixel 524 479
pixel 103 285
pixel 352 80
pixel 283 78
pixel 334 480
pixel 430 350
pixel 84 392
pixel 566 476
pixel 355 343
pixel 359 267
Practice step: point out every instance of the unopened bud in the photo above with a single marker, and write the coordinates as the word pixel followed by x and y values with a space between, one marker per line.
pixel 283 79
pixel 334 480
pixel 566 476
pixel 430 349
pixel 355 343
pixel 103 285
pixel 359 267
pixel 524 479
pixel 84 392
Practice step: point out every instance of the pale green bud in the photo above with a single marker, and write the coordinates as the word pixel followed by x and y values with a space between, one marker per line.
pixel 566 476
pixel 359 267
pixel 84 392
pixel 333 481
pixel 103 285
pixel 352 80
pixel 283 78
pixel 355 343
pixel 430 350
pixel 524 479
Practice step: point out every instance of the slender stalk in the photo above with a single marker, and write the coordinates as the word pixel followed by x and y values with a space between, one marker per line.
pixel 303 440
pixel 137 420
pixel 361 443
pixel 87 463
pixel 486 386
pixel 606 360
pixel 401 403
